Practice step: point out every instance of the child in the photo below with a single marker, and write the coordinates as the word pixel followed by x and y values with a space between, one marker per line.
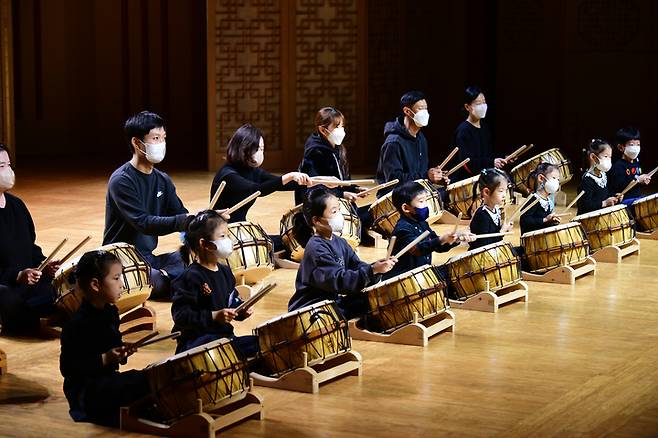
pixel 92 348
pixel 487 218
pixel 627 168
pixel 410 199
pixel 204 297
pixel 330 270
pixel 595 181
pixel 542 215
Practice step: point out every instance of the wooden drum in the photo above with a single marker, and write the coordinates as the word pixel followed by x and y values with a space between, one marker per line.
pixel 611 226
pixel 253 252
pixel 386 216
pixel 496 263
pixel 215 373
pixel 394 301
pixel 136 277
pixel 460 197
pixel 645 211
pixel 560 245
pixel 351 229
pixel 318 330
pixel 554 156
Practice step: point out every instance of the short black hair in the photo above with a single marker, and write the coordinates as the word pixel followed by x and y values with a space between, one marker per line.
pixel 624 135
pixel 471 93
pixel 140 124
pixel 243 145
pixel 3 147
pixel 405 193
pixel 409 98
pixel 94 264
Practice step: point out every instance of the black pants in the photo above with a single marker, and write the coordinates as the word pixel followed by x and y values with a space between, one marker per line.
pixel 165 268
pixel 22 306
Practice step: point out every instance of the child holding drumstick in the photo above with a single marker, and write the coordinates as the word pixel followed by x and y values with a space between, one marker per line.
pixel 595 181
pixel 542 214
pixel 487 219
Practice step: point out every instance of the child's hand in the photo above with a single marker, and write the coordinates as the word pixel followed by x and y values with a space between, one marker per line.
pixel 506 228
pixel 644 179
pixel 384 265
pixel 224 316
pixel 28 277
pixel 352 197
pixel 449 238
pixel 552 218
pixel 245 313
pixel 118 355
pixel 466 236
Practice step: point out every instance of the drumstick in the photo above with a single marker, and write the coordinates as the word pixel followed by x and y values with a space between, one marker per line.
pixel 391 244
pixel 52 254
pixel 141 341
pixel 650 174
pixel 161 338
pixel 628 187
pixel 484 236
pixel 516 153
pixel 571 204
pixel 215 197
pixel 255 298
pixel 457 167
pixel 246 200
pixel 338 182
pixel 448 158
pixel 379 187
pixel 74 250
pixel 459 217
pixel 413 243
pixel 520 211
pixel 566 213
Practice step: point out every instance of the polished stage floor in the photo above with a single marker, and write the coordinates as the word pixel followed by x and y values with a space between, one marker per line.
pixel 576 360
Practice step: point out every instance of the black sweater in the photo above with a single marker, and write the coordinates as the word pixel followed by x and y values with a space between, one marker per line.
pixel 402 155
pixel 18 250
pixel 594 193
pixel 483 223
pixel 322 159
pixel 241 182
pixel 533 219
pixel 476 144
pixel 621 174
pixel 196 294
pixel 140 207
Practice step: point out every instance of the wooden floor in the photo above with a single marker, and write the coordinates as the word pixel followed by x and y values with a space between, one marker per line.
pixel 574 361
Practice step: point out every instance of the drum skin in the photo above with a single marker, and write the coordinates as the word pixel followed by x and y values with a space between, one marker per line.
pixel 253 252
pixel 551 247
pixel 460 197
pixel 611 226
pixel 554 156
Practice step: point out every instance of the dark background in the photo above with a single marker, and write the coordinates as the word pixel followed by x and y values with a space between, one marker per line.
pixel 555 73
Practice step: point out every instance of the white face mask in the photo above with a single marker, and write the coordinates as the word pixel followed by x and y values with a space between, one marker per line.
pixel 7 179
pixel 155 152
pixel 224 247
pixel 480 110
pixel 258 158
pixel 632 151
pixel 604 164
pixel 336 223
pixel 337 135
pixel 422 118
pixel 552 185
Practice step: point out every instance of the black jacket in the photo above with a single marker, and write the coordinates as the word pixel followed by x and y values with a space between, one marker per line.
pixel 621 174
pixel 402 155
pixel 476 144
pixel 482 223
pixel 533 219
pixel 594 194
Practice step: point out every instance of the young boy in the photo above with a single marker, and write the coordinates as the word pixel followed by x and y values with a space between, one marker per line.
pixel 92 348
pixel 627 168
pixel 410 199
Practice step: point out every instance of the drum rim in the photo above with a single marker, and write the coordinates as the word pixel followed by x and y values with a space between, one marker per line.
pixel 599 212
pixel 478 250
pixel 398 277
pixel 550 229
pixel 294 313
pixel 645 198
pixel 526 162
pixel 463 182
pixel 74 262
pixel 204 347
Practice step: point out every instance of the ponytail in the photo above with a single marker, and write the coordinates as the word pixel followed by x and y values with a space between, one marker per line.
pixel 202 226
pixel 543 168
pixel 596 146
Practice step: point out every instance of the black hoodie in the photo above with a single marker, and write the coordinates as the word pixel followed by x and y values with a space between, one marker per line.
pixel 321 159
pixel 402 155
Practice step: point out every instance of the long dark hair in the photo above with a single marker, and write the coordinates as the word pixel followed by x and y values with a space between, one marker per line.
pixel 543 168
pixel 314 205
pixel 596 146
pixel 202 226
pixel 326 117
pixel 490 179
pixel 243 145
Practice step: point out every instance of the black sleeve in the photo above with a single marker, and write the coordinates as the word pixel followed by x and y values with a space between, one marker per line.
pixel 78 356
pixel 328 276
pixel 129 204
pixel 533 219
pixel 617 178
pixel 392 164
pixel 174 204
pixel 185 309
pixel 480 159
pixel 268 184
pixel 591 199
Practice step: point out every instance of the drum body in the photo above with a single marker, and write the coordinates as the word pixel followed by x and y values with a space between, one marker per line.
pixel 554 156
pixel 611 226
pixel 136 278
pixel 560 245
pixel 318 330
pixel 252 258
pixel 386 216
pixel 460 197
pixel 351 228
pixel 394 301
pixel 645 211
pixel 214 372
pixel 496 263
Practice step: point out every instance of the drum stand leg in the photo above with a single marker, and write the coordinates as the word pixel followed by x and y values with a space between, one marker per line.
pixel 563 274
pixel 561 198
pixel 449 218
pixel 3 363
pixel 614 254
pixel 487 301
pixel 281 262
pixel 203 423
pixel 245 290
pixel 648 236
pixel 309 378
pixel 136 320
pixel 380 241
pixel 415 333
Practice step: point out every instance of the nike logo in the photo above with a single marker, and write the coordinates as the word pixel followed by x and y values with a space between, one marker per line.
pixel 159 194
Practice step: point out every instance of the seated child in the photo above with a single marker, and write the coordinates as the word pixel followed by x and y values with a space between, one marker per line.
pixel 204 296
pixel 410 199
pixel 627 168
pixel 487 218
pixel 92 348
pixel 542 214
pixel 330 269
pixel 595 181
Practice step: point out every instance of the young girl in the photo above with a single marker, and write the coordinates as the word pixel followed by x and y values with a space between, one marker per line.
pixel 330 270
pixel 595 181
pixel 204 297
pixel 541 215
pixel 487 218
pixel 92 348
